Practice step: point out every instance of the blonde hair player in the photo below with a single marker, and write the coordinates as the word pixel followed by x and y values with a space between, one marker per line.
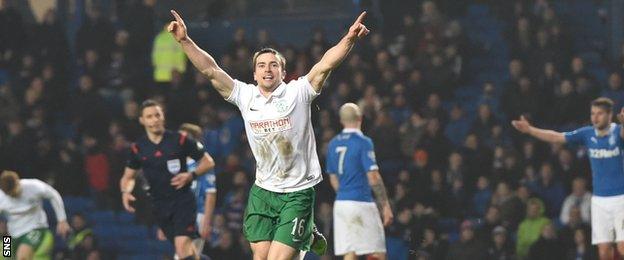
pixel 22 200
pixel 354 175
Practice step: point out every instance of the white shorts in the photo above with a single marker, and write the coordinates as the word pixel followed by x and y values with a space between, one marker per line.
pixel 358 228
pixel 607 219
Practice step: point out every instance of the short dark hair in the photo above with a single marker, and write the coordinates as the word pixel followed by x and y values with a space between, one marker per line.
pixel 280 57
pixel 604 103
pixel 148 103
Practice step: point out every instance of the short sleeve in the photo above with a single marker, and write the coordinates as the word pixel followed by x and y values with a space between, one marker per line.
pixel 240 92
pixel 305 92
pixel 192 148
pixel 367 156
pixel 211 179
pixel 331 160
pixel 576 137
pixel 133 161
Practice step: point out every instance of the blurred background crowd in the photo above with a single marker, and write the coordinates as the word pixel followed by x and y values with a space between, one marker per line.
pixel 438 82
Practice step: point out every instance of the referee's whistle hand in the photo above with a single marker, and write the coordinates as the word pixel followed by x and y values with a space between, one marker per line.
pixel 126 198
pixel 181 180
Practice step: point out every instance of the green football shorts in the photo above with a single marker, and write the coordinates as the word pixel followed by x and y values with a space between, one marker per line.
pixel 284 217
pixel 40 240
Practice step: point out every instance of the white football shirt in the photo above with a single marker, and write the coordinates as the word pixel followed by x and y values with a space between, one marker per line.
pixel 25 213
pixel 280 134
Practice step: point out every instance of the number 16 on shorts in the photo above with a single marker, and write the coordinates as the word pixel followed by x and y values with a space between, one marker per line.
pixel 6 246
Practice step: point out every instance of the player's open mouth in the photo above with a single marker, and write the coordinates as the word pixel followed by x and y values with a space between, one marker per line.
pixel 268 77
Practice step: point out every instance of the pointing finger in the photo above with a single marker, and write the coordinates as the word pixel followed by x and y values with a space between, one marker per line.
pixel 177 16
pixel 360 18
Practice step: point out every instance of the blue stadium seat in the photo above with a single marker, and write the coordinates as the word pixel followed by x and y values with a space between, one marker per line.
pixel 102 217
pixel 134 246
pixel 77 204
pixel 397 248
pixel 162 247
pixel 107 243
pixel 105 231
pixel 125 218
pixel 132 232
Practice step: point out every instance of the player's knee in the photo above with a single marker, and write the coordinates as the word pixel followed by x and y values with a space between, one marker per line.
pixel 184 247
pixel 280 251
pixel 24 252
pixel 260 250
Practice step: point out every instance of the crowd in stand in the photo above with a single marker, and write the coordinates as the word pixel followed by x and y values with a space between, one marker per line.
pixel 70 111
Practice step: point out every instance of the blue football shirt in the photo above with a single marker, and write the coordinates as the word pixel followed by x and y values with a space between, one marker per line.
pixel 351 156
pixel 202 185
pixel 605 157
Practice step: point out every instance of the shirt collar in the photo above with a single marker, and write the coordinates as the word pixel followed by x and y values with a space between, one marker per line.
pixel 276 93
pixel 611 128
pixel 352 130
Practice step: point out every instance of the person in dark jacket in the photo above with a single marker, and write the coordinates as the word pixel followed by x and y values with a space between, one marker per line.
pixel 500 247
pixel 468 247
pixel 548 246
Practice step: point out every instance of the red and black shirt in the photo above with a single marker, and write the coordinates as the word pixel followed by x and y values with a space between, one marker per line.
pixel 161 161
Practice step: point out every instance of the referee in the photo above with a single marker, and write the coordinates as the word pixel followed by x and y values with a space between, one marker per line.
pixel 162 154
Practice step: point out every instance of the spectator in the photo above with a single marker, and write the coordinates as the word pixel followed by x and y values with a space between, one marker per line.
pixel 566 110
pixel 549 189
pixel 455 168
pixel 227 248
pixel 475 156
pixel 614 91
pixel 385 134
pixel 531 227
pixel 468 246
pixel 432 245
pixel 482 196
pixel 435 143
pixel 95 33
pixel 580 198
pixel 434 109
pixel 484 122
pixel 458 126
pixel 501 247
pixel 97 167
pixel 511 208
pixel 411 132
pixel 167 56
pixel 491 220
pixel 566 233
pixel 80 232
pixel 548 246
pixel 582 249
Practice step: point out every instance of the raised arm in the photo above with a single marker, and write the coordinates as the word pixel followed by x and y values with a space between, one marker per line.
pixel 550 136
pixel 334 56
pixel 377 185
pixel 205 63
